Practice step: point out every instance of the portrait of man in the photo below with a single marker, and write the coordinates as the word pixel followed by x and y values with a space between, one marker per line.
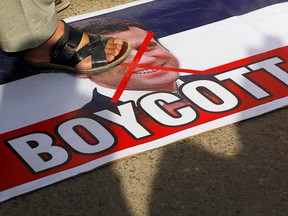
pixel 142 80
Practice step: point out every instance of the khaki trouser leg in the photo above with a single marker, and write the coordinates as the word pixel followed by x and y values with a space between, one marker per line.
pixel 26 24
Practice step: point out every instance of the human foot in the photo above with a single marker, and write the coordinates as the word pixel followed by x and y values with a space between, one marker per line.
pixel 73 51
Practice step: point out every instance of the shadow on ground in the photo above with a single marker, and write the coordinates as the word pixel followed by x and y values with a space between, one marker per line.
pixel 192 181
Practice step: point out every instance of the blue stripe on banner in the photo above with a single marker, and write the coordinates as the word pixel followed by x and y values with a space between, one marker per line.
pixel 167 17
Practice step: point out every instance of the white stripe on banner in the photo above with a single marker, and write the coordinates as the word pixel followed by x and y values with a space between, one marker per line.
pixel 231 39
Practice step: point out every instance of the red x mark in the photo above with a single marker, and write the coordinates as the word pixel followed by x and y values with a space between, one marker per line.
pixel 134 64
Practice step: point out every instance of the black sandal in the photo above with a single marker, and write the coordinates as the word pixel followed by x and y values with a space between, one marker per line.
pixel 64 56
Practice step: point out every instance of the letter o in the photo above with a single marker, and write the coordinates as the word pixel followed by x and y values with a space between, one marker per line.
pixel 103 137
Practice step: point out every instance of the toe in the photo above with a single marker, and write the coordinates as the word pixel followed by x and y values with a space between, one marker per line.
pixel 113 48
pixel 110 58
pixel 118 41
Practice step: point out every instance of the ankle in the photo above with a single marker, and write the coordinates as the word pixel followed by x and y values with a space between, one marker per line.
pixel 55 37
pixel 42 52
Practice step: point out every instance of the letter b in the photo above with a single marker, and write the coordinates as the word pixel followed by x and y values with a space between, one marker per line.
pixel 38 151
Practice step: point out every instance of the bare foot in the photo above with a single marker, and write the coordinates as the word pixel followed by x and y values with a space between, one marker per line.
pixel 41 54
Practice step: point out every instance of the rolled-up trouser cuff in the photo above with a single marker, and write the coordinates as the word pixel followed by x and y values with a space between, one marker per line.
pixel 24 28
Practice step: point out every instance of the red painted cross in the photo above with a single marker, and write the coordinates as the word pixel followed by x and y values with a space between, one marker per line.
pixel 134 64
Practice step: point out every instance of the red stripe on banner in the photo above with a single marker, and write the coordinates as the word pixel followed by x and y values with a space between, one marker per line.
pixel 132 67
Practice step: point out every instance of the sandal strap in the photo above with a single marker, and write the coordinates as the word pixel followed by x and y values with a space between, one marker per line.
pixel 97 50
pixel 94 49
pixel 64 51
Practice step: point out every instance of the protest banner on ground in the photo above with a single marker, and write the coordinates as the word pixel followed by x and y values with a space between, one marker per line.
pixel 196 73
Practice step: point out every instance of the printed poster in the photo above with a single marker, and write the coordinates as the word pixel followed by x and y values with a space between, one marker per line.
pixel 194 66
